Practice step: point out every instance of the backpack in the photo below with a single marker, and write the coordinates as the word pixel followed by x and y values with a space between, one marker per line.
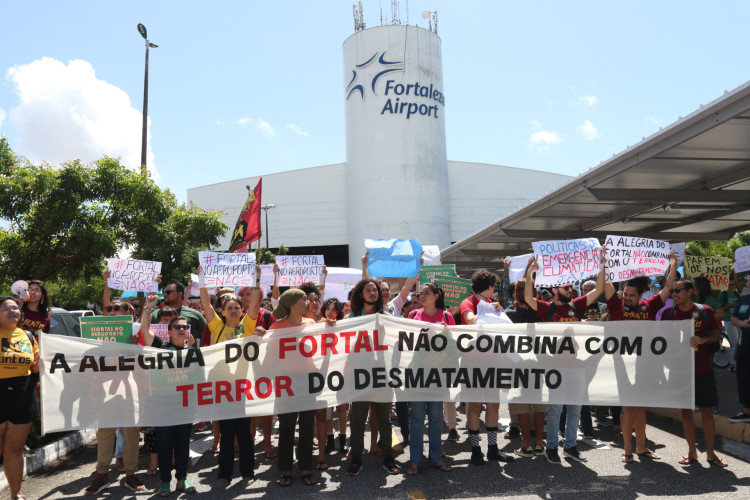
pixel 713 347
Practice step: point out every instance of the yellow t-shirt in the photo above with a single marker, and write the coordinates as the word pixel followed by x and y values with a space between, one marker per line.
pixel 16 353
pixel 221 333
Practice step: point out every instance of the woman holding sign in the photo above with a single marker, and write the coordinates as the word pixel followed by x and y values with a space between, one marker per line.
pixel 229 324
pixel 19 359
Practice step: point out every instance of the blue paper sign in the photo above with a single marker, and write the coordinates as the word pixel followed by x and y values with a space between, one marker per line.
pixel 393 258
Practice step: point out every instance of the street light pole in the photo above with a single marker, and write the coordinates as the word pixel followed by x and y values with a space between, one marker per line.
pixel 266 208
pixel 142 31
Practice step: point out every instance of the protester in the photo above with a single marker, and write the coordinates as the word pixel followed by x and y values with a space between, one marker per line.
pixel 563 309
pixel 432 311
pixel 367 298
pixel 727 300
pixel 228 324
pixel 291 311
pixel 19 359
pixel 706 330
pixel 741 320
pixel 36 309
pixel 333 310
pixel 174 295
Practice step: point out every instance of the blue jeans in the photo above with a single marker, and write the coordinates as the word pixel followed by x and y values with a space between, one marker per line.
pixel 120 442
pixel 571 425
pixel 434 412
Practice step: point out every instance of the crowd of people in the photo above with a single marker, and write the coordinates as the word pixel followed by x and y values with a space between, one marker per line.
pixel 230 314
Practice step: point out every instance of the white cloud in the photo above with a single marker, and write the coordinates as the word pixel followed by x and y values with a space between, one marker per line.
pixel 294 128
pixel 543 138
pixel 3 114
pixel 265 128
pixel 588 100
pixel 66 113
pixel 257 123
pixel 589 131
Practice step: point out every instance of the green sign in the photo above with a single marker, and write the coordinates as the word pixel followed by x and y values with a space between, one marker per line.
pixel 455 290
pixel 427 273
pixel 107 328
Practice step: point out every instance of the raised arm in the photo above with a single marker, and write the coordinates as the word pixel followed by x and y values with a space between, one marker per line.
pixel 208 310
pixel 528 290
pixel 148 307
pixel 322 286
pixel 666 290
pixel 365 272
pixel 275 293
pixel 596 292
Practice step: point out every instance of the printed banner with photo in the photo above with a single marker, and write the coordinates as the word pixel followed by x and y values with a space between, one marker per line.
pixel 86 383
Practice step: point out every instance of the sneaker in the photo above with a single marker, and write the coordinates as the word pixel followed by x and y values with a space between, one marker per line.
pixel 101 481
pixel 573 453
pixel 588 435
pixel 740 417
pixel 552 456
pixel 494 454
pixel 390 467
pixel 134 484
pixel 453 435
pixel 513 432
pixel 200 426
pixel 477 458
pixel 525 452
pixel 538 451
pixel 354 468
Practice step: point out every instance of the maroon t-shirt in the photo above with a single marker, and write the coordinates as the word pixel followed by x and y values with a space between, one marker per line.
pixel 645 310
pixel 563 313
pixel 34 320
pixel 703 362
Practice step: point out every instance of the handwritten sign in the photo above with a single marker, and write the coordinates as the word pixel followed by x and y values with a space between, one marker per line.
pixel 297 269
pixel 431 255
pixel 517 267
pixel 266 276
pixel 742 259
pixel 630 257
pixel 393 258
pixel 679 251
pixel 427 273
pixel 566 261
pixel 340 281
pixel 226 269
pixel 454 289
pixel 133 274
pixel 716 269
pixel 161 330
pixel 107 328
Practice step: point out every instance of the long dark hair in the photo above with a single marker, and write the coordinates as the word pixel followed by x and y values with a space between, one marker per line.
pixel 44 302
pixel 224 300
pixel 702 288
pixel 440 301
pixel 358 300
pixel 337 305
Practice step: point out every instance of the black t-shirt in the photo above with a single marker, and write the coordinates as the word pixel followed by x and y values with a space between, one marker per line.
pixel 522 315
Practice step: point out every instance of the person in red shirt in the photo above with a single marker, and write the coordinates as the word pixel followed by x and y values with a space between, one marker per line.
pixel 629 308
pixel 706 330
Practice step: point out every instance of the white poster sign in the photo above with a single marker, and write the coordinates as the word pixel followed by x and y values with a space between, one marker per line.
pixel 220 269
pixel 297 269
pixel 630 257
pixel 340 281
pixel 742 259
pixel 431 255
pixel 566 261
pixel 133 274
pixel 518 265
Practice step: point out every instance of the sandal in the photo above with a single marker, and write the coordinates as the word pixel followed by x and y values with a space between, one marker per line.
pixel 718 462
pixel 687 460
pixel 152 472
pixel 413 469
pixel 649 454
pixel 321 465
pixel 214 449
pixel 285 480
pixel 309 480
pixel 185 487
pixel 442 466
pixel 628 459
pixel 165 490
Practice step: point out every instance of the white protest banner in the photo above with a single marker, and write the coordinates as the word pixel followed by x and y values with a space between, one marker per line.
pixel 630 257
pixel 742 259
pixel 715 269
pixel 220 269
pixel 87 383
pixel 566 261
pixel 340 281
pixel 297 269
pixel 266 276
pixel 161 330
pixel 431 255
pixel 679 251
pixel 518 265
pixel 133 274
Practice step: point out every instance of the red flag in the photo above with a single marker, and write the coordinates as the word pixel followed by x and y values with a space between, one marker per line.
pixel 248 229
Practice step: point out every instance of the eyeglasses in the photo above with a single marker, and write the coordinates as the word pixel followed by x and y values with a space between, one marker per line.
pixel 180 327
pixel 136 306
pixel 678 289
pixel 35 290
pixel 116 308
pixel 8 309
pixel 168 292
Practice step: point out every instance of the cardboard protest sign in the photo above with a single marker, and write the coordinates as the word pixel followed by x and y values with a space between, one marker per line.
pixel 107 328
pixel 630 257
pixel 89 384
pixel 431 255
pixel 679 251
pixel 340 281
pixel 566 261
pixel 454 289
pixel 742 259
pixel 220 269
pixel 393 258
pixel 716 269
pixel 427 273
pixel 133 275
pixel 297 269
pixel 518 265
pixel 266 276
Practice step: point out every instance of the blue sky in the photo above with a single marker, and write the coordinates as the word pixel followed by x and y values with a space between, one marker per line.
pixel 249 88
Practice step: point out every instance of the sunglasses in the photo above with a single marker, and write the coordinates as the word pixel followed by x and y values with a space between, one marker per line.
pixel 116 308
pixel 566 287
pixel 678 290
pixel 168 292
pixel 180 327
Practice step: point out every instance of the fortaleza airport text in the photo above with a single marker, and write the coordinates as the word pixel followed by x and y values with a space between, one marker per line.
pixel 412 108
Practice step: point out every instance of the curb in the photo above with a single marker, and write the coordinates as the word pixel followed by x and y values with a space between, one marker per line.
pixel 724 428
pixel 53 451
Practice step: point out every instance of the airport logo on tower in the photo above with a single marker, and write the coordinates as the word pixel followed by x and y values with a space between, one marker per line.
pixel 365 78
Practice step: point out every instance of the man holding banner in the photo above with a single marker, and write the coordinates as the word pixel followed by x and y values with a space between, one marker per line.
pixel 563 309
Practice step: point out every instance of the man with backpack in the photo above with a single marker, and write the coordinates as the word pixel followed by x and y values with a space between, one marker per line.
pixel 706 332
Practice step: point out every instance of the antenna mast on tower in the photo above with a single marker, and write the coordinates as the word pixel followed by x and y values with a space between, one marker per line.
pixel 431 16
pixel 395 19
pixel 359 23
